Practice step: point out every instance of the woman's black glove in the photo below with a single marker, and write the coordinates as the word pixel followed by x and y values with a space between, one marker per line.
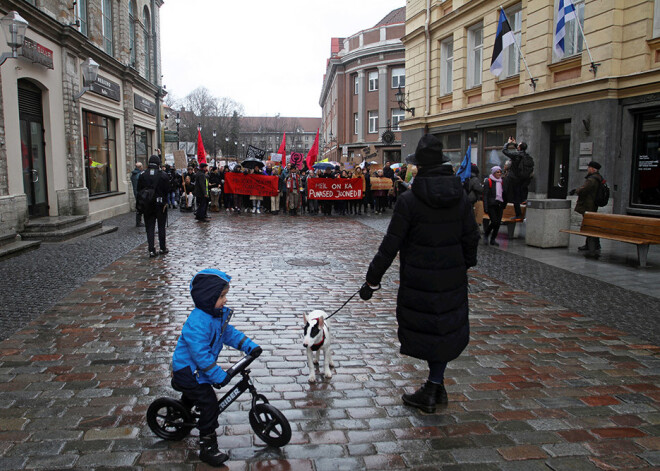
pixel 366 291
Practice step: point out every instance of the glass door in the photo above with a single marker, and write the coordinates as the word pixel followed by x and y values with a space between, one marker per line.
pixel 560 150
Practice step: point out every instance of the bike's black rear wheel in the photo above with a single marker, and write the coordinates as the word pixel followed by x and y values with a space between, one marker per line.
pixel 169 419
pixel 270 425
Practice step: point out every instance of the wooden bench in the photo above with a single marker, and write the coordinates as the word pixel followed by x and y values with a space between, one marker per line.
pixel 508 216
pixel 638 230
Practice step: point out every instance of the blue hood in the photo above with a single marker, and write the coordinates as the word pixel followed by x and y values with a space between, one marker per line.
pixel 205 289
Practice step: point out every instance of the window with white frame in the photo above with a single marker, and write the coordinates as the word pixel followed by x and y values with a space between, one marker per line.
pixel 656 19
pixel 398 77
pixel 356 84
pixel 106 26
pixel 373 122
pixel 511 64
pixel 475 55
pixel 82 16
pixel 397 116
pixel 355 121
pixel 447 66
pixel 573 41
pixel 373 81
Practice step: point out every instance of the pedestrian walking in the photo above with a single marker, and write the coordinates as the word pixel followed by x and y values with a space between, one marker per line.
pixel 587 202
pixel 522 169
pixel 202 193
pixel 434 230
pixel 135 174
pixel 494 203
pixel 157 181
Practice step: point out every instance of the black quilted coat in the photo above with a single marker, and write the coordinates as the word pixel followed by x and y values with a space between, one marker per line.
pixel 434 230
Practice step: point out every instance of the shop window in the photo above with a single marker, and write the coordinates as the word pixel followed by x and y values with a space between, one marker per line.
pixel 143 148
pixel 494 139
pixel 451 147
pixel 645 186
pixel 100 149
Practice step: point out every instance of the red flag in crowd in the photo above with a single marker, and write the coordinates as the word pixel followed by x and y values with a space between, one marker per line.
pixel 313 152
pixel 282 150
pixel 201 153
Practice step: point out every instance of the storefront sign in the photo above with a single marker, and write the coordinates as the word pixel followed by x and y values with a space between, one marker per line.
pixel 37 53
pixel 144 105
pixel 645 163
pixel 334 188
pixel 586 148
pixel 171 136
pixel 254 185
pixel 106 88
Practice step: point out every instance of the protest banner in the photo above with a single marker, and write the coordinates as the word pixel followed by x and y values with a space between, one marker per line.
pixel 253 185
pixel 334 188
pixel 381 183
pixel 180 160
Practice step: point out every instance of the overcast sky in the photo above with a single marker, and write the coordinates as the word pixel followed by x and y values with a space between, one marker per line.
pixel 269 56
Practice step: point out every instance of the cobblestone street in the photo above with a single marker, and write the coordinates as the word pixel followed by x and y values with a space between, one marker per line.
pixel 542 385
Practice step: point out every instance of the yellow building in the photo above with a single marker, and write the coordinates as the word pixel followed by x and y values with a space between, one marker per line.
pixel 600 101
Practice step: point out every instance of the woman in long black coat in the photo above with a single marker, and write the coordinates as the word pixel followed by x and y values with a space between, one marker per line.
pixel 434 230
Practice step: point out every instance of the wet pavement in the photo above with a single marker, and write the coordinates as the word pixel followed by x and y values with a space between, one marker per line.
pixel 544 384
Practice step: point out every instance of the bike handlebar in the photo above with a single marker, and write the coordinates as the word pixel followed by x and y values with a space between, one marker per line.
pixel 243 363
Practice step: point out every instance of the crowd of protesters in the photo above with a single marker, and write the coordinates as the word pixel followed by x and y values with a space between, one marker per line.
pixel 187 195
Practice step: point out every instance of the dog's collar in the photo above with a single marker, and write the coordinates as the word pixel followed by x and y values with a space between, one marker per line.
pixel 316 346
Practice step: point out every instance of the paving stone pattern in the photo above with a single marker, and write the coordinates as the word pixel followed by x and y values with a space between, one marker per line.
pixel 540 386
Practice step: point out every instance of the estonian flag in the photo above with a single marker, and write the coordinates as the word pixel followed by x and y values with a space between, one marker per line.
pixel 465 170
pixel 565 13
pixel 503 39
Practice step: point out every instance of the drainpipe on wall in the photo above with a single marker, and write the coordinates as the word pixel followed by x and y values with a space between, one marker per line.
pixel 427 73
pixel 156 75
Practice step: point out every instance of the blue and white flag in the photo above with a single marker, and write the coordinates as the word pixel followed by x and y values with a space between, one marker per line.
pixel 465 170
pixel 565 13
pixel 503 39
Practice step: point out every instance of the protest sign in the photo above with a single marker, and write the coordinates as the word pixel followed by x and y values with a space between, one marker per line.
pixel 180 160
pixel 297 160
pixel 334 188
pixel 253 185
pixel 381 183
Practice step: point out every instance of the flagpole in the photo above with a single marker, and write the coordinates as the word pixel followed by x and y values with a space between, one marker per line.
pixel 532 79
pixel 594 66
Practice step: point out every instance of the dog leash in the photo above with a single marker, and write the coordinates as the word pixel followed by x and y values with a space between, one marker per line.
pixel 369 288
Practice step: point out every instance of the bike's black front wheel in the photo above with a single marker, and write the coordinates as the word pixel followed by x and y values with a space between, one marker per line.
pixel 270 425
pixel 169 419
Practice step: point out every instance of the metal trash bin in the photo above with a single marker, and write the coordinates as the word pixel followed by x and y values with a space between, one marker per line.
pixel 544 220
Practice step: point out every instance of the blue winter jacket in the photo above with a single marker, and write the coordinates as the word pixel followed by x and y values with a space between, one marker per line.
pixel 205 332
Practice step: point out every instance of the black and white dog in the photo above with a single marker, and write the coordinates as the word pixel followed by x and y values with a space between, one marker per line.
pixel 317 338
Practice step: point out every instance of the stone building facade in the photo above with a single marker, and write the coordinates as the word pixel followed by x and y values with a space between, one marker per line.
pixel 63 153
pixel 360 112
pixel 600 101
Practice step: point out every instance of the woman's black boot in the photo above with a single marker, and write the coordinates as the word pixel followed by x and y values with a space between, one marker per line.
pixel 209 452
pixel 424 398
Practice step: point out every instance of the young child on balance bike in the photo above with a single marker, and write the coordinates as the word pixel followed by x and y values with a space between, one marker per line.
pixel 194 365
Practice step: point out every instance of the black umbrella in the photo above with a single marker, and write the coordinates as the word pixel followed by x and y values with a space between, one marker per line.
pixel 252 163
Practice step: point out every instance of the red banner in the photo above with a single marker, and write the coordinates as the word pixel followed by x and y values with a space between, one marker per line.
pixel 253 185
pixel 334 188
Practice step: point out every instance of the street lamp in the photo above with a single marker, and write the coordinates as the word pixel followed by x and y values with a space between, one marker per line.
pixel 401 100
pixel 214 134
pixel 90 70
pixel 199 127
pixel 177 120
pixel 226 148
pixel 14 27
pixel 236 146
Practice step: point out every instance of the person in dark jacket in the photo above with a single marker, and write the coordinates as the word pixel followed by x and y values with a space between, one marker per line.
pixel 202 193
pixel 434 230
pixel 157 179
pixel 194 364
pixel 520 176
pixel 215 181
pixel 135 174
pixel 494 204
pixel 475 188
pixel 587 202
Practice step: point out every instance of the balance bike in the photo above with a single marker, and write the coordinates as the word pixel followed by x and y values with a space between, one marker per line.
pixel 169 419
